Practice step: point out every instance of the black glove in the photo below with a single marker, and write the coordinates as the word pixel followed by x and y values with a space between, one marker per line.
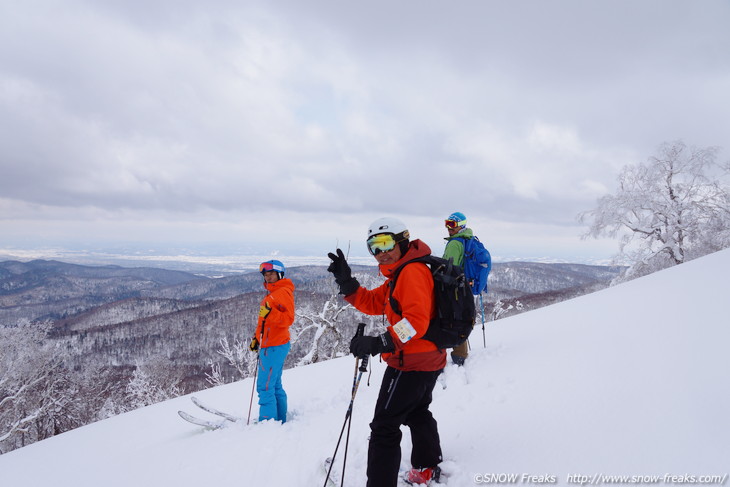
pixel 254 346
pixel 361 346
pixel 343 275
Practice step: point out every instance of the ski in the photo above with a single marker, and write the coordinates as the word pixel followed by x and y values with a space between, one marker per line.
pixel 211 425
pixel 211 410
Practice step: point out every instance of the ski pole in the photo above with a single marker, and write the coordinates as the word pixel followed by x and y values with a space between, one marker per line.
pixel 484 335
pixel 363 368
pixel 258 358
pixel 363 361
pixel 253 388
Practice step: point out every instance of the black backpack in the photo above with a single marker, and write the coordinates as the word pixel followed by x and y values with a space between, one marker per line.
pixel 455 309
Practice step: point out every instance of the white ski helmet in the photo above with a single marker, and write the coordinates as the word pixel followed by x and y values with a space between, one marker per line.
pixel 388 225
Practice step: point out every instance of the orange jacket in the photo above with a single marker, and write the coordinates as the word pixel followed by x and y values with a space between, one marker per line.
pixel 414 294
pixel 276 324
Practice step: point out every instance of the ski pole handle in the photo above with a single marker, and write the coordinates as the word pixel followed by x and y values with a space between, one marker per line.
pixel 365 358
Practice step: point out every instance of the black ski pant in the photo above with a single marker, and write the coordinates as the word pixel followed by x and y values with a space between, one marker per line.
pixel 403 400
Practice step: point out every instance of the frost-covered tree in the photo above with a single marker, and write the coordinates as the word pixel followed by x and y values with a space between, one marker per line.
pixel 238 356
pixel 325 332
pixel 30 373
pixel 672 208
pixel 100 395
pixel 499 309
pixel 151 383
pixel 215 377
pixel 40 396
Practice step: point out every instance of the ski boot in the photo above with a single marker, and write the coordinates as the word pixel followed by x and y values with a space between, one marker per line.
pixel 457 359
pixel 422 476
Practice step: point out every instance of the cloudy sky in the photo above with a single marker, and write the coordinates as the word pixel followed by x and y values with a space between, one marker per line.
pixel 290 125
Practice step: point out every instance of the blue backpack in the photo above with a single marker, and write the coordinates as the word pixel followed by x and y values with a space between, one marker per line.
pixel 477 264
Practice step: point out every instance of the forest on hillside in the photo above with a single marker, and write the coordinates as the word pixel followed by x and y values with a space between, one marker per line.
pixel 82 343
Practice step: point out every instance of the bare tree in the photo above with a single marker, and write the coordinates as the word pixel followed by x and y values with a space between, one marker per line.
pixel 673 208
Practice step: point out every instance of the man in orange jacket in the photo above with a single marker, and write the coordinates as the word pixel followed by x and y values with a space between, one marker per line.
pixel 271 340
pixel 413 363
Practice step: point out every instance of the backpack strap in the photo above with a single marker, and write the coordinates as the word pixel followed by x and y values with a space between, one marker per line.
pixel 463 243
pixel 466 256
pixel 433 264
pixel 393 302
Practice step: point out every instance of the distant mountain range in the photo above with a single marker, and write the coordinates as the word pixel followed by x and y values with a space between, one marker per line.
pixel 49 289
pixel 106 323
pixel 121 317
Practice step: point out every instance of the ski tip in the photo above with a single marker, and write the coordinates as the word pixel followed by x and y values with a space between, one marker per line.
pixel 211 425
pixel 184 415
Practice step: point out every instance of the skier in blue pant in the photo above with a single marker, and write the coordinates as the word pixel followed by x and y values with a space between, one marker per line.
pixel 271 340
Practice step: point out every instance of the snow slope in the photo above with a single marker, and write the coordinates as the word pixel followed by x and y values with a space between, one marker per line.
pixel 629 381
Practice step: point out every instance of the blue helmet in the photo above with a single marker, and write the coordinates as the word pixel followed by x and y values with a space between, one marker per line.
pixel 272 265
pixel 456 220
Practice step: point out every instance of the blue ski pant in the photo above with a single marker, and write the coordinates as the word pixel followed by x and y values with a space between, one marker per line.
pixel 272 398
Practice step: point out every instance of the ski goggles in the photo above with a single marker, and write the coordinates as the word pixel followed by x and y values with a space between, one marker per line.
pixel 383 242
pixel 453 224
pixel 268 267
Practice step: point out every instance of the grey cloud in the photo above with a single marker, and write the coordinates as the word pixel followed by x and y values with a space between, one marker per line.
pixel 325 106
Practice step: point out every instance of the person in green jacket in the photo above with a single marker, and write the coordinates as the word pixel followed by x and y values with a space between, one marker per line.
pixel 456 226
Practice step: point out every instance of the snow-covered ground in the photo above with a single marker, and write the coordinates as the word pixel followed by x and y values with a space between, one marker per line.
pixel 630 381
